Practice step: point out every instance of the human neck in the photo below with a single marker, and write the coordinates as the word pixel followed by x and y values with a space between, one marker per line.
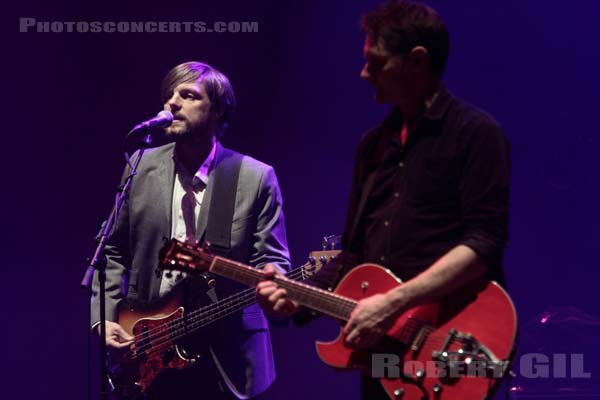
pixel 192 153
pixel 413 108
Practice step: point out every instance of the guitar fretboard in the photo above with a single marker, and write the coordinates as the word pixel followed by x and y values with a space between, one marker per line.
pixel 318 299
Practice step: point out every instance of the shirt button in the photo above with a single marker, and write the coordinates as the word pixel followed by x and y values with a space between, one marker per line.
pixel 382 258
pixel 401 164
pixel 396 195
pixel 386 223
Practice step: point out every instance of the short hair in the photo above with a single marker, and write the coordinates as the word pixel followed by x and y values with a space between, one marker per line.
pixel 403 25
pixel 215 83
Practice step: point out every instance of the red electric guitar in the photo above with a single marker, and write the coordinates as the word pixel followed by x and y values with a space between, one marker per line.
pixel 456 349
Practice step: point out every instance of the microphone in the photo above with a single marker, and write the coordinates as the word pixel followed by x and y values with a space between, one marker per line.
pixel 163 118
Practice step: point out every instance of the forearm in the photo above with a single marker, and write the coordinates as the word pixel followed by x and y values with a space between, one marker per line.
pixel 457 268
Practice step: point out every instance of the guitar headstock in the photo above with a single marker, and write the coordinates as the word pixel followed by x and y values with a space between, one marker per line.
pixel 177 255
pixel 316 260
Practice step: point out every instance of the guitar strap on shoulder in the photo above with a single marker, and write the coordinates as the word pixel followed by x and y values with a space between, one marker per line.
pixel 222 203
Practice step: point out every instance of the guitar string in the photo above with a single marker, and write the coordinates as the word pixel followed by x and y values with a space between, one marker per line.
pixel 251 276
pixel 322 300
pixel 232 301
pixel 176 330
pixel 180 331
pixel 159 347
pixel 429 343
pixel 165 345
pixel 178 324
pixel 240 297
pixel 346 305
pixel 164 342
pixel 176 334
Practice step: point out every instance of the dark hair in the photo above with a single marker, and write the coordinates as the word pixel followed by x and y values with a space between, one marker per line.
pixel 216 84
pixel 402 25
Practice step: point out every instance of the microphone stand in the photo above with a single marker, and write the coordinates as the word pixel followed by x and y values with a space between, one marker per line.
pixel 98 261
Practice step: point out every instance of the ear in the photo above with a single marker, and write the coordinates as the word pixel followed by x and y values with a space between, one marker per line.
pixel 418 57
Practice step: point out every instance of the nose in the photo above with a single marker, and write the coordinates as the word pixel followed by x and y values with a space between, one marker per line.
pixel 364 72
pixel 172 104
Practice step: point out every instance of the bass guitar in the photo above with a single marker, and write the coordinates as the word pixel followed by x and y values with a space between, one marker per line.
pixel 161 328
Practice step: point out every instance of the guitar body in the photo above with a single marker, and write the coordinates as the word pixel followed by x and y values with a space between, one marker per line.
pixel 155 347
pixel 454 349
pixel 161 332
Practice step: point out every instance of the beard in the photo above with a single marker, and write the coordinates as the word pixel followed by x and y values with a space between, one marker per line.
pixel 183 132
pixel 178 130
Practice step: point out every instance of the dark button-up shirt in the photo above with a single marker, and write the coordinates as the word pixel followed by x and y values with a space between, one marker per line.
pixel 410 204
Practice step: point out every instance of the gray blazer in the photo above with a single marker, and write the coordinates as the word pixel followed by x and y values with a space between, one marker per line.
pixel 241 346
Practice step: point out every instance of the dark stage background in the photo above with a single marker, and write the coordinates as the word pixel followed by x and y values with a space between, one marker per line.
pixel 302 108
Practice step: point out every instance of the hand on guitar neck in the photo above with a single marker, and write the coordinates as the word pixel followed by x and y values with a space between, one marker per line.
pixel 369 321
pixel 272 298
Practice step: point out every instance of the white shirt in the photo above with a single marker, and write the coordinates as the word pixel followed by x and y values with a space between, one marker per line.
pixel 188 192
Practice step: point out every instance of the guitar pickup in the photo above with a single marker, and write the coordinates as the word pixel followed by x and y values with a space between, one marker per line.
pixel 419 340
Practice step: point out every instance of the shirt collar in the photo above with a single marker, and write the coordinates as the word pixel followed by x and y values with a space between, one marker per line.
pixel 201 175
pixel 436 110
pixel 204 170
pixel 439 104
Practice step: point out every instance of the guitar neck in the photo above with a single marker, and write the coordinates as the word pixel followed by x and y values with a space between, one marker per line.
pixel 208 314
pixel 326 302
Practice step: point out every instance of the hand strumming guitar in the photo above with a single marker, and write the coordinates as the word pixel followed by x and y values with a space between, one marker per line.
pixel 116 337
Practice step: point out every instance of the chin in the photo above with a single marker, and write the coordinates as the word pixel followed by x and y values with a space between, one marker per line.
pixel 379 96
pixel 174 132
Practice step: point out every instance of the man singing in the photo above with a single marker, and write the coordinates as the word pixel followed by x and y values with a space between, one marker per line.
pixel 196 190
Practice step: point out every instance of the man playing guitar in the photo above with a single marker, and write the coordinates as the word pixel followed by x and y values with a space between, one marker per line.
pixel 430 189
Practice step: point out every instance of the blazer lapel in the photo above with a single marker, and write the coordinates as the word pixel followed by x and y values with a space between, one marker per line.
pixel 165 179
pixel 205 207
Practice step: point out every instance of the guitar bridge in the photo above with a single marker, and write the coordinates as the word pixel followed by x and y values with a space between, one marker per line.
pixel 472 358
